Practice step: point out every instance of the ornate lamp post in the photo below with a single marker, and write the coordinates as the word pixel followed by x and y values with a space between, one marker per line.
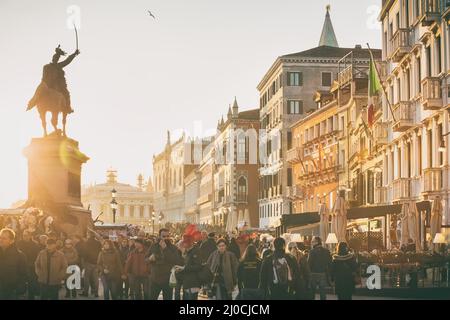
pixel 114 204
pixel 153 222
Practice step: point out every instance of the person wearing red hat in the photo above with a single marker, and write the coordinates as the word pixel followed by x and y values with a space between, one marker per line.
pixel 191 269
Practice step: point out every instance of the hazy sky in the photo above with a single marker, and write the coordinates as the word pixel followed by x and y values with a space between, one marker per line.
pixel 136 77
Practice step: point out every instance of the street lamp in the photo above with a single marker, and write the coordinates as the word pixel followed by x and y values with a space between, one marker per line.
pixel 114 206
pixel 113 203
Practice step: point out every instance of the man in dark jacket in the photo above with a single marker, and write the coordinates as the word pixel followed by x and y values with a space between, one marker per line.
pixel 192 267
pixel 279 272
pixel 319 261
pixel 13 267
pixel 90 251
pixel 31 250
pixel 163 257
pixel 124 251
pixel 207 247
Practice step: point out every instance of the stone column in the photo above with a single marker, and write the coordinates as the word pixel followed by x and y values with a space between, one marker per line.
pixel 146 211
pixel 127 211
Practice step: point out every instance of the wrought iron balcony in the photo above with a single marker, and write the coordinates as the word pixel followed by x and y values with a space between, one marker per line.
pixel 431 93
pixel 431 11
pixel 401 189
pixel 404 115
pixel 400 44
pixel 432 180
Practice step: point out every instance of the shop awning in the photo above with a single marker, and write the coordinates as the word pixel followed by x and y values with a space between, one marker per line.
pixel 306 218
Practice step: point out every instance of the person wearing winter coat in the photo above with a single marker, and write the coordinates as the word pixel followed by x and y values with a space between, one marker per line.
pixel 248 274
pixel 223 265
pixel 31 250
pixel 137 267
pixel 279 273
pixel 343 272
pixel 234 247
pixel 71 255
pixel 110 266
pixel 319 261
pixel 51 270
pixel 163 257
pixel 124 251
pixel 192 266
pixel 13 267
pixel 302 290
pixel 207 247
pixel 90 251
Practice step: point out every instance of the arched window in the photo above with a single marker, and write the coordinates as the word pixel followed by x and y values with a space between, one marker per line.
pixel 242 189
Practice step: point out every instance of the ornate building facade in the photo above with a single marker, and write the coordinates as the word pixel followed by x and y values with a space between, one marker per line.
pixel 236 170
pixel 415 159
pixel 168 178
pixel 135 203
pixel 286 96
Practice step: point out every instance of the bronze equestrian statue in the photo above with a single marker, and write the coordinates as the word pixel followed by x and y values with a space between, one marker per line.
pixel 52 94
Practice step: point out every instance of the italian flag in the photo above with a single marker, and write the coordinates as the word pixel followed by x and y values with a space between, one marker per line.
pixel 374 89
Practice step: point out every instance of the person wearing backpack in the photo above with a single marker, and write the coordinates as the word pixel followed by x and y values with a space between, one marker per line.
pixel 223 265
pixel 279 272
pixel 343 272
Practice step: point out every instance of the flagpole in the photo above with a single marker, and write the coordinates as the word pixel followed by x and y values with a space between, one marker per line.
pixel 384 91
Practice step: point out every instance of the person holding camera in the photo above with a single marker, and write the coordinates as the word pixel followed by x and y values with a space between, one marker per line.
pixel 163 257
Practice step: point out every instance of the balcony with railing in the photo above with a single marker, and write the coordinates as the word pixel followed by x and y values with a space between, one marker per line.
pixel 431 11
pixel 401 189
pixel 431 93
pixel 400 44
pixel 381 195
pixel 432 180
pixel 404 115
pixel 380 133
pixel 294 192
pixel 294 155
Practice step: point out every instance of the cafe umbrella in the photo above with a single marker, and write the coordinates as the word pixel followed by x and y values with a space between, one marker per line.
pixel 339 218
pixel 324 220
pixel 436 217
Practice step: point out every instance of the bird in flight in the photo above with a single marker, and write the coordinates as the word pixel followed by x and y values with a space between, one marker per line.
pixel 151 14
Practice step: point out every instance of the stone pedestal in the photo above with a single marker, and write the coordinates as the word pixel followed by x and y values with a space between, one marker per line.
pixel 54 181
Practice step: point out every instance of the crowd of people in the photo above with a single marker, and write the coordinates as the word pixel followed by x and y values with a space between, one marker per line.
pixel 182 267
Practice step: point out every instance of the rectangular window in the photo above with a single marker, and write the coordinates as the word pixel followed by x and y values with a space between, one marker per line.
pixel 419 75
pixel 289 177
pixel 419 154
pixel 326 79
pixel 289 140
pixel 294 79
pixel 438 48
pixel 295 107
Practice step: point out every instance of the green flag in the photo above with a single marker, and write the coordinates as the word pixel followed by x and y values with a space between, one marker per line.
pixel 374 81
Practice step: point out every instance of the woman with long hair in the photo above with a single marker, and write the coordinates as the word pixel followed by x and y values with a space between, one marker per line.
pixel 344 271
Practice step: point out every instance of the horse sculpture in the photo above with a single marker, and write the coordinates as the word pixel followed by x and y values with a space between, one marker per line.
pixel 52 95
pixel 49 100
